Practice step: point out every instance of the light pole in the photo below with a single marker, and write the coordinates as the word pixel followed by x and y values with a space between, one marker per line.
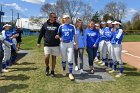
pixel 1 13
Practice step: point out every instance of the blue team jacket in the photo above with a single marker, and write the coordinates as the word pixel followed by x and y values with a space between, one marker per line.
pixel 91 37
pixel 7 34
pixel 80 38
pixel 107 34
pixel 117 36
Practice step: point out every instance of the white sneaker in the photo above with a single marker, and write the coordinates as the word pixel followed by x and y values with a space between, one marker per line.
pixel 81 71
pixel 64 73
pixel 103 64
pixel 100 62
pixel 71 77
pixel 119 75
pixel 5 70
pixel 76 68
pixel 112 71
pixel 108 69
pixel 96 60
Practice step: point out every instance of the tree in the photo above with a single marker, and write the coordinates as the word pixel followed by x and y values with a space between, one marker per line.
pixel 116 10
pixel 107 17
pixel 86 14
pixel 75 8
pixel 136 16
pixel 96 17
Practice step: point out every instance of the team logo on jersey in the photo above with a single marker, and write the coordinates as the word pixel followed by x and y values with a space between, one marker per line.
pixel 91 34
pixel 51 28
pixel 70 30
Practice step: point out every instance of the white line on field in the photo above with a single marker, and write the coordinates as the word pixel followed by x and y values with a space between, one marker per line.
pixel 126 52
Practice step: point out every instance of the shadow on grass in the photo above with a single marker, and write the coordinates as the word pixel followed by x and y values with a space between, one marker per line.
pixel 87 76
pixel 15 77
pixel 60 76
pixel 134 73
pixel 20 55
pixel 23 69
pixel 130 69
pixel 12 87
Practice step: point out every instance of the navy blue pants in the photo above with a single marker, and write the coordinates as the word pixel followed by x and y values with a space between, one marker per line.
pixel 91 55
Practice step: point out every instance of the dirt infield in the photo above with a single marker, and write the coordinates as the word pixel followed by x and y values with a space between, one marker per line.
pixel 131 53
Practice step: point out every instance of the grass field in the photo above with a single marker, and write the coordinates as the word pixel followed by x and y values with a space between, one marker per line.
pixel 28 77
pixel 131 38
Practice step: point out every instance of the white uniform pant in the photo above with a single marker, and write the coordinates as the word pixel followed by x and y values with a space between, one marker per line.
pixel 67 51
pixel 116 53
pixel 106 47
pixel 7 53
pixel 101 43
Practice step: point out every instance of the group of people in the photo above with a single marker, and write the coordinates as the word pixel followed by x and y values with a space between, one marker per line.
pixel 71 40
pixel 110 46
pixel 9 45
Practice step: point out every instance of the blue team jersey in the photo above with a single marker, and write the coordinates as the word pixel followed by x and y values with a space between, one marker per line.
pixel 7 34
pixel 91 37
pixel 106 35
pixel 67 32
pixel 80 38
pixel 117 36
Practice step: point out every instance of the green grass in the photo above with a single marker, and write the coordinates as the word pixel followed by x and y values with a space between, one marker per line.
pixel 28 77
pixel 29 43
pixel 131 38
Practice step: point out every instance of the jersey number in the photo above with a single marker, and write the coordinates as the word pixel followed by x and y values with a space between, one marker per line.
pixel 66 33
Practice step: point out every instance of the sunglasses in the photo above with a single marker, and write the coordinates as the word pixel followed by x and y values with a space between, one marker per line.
pixel 54 17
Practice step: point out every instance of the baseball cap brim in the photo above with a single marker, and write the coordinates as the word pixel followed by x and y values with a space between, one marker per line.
pixel 109 22
pixel 6 25
pixel 66 16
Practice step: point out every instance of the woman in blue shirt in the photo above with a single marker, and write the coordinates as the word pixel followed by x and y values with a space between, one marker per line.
pixel 91 39
pixel 80 36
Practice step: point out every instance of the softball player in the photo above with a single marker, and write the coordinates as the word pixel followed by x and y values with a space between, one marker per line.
pixel 7 50
pixel 66 33
pixel 102 40
pixel 117 48
pixel 106 36
pixel 91 38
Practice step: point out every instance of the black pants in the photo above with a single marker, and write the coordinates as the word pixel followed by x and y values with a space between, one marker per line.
pixel 91 55
pixel 80 51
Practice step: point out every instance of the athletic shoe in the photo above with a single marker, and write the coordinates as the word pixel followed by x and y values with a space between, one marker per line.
pixel 76 68
pixel 52 74
pixel 64 73
pixel 92 71
pixel 96 60
pixel 100 62
pixel 47 71
pixel 81 71
pixel 108 69
pixel 112 71
pixel 119 75
pixel 71 77
pixel 4 71
pixel 103 64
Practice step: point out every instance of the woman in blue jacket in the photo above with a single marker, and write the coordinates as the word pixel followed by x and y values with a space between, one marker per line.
pixel 80 37
pixel 91 38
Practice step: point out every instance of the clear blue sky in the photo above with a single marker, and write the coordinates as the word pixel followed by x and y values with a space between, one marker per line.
pixel 29 8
